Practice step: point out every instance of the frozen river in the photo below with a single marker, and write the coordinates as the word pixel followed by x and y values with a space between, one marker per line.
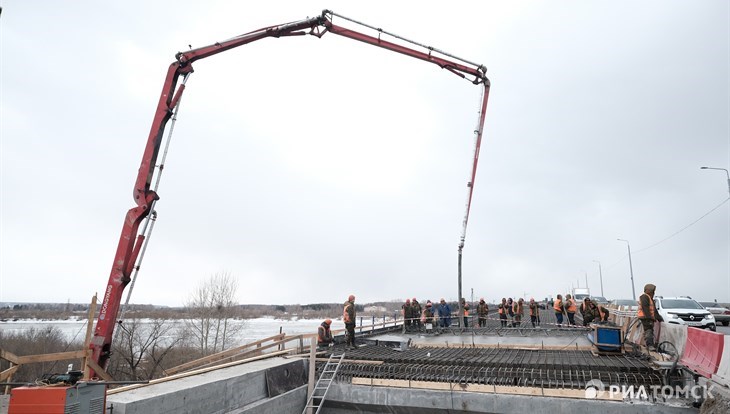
pixel 252 329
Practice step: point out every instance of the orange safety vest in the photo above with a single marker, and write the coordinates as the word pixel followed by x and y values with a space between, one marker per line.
pixel 533 309
pixel 500 308
pixel 345 314
pixel 571 306
pixel 652 310
pixel 517 309
pixel 557 306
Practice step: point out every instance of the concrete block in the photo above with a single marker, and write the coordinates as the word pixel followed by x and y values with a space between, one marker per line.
pixel 218 391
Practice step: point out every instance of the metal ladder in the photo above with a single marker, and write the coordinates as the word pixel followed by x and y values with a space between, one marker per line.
pixel 316 400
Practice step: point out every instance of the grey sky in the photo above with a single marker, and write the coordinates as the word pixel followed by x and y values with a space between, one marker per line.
pixel 314 168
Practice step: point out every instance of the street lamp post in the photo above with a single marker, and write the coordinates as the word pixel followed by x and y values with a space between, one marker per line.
pixel 721 169
pixel 600 275
pixel 631 268
pixel 727 174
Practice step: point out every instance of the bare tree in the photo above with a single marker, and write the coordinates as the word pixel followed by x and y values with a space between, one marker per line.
pixel 140 348
pixel 211 310
pixel 36 341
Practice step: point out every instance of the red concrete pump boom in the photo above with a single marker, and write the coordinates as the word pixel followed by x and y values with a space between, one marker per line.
pixel 131 241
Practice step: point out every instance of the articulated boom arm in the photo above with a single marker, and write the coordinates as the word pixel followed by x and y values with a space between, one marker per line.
pixel 131 241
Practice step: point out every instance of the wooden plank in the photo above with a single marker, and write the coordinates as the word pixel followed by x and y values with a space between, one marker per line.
pixel 391 383
pixel 312 369
pixel 87 340
pixel 8 356
pixel 5 375
pixel 505 346
pixel 219 356
pixel 482 388
pixel 99 370
pixel 249 353
pixel 58 356
pixel 196 372
pixel 354 361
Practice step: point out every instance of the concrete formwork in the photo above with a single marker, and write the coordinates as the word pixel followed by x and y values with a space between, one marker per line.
pixel 347 399
pixel 278 385
pixel 271 385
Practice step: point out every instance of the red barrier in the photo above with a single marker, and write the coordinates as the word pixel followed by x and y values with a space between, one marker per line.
pixel 703 351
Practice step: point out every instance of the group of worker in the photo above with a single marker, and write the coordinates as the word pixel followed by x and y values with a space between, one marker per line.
pixel 514 310
pixel 427 317
pixel 589 309
pixel 510 313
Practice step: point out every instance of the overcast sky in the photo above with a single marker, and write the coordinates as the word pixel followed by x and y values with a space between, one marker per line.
pixel 314 168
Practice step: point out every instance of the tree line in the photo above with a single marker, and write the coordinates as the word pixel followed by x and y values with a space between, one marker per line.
pixel 150 339
pixel 143 348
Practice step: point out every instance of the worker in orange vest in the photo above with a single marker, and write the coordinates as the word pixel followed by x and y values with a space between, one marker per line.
pixel 428 316
pixel 502 310
pixel 324 335
pixel 534 312
pixel 570 309
pixel 518 309
pixel 647 314
pixel 465 307
pixel 598 312
pixel 558 308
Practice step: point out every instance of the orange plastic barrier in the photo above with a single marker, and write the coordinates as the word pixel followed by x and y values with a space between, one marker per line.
pixel 703 351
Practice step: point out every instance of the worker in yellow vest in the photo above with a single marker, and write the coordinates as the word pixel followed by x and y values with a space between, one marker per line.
pixel 647 314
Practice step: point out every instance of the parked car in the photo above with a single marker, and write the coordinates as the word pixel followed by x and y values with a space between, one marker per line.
pixel 624 304
pixel 721 313
pixel 684 310
pixel 600 300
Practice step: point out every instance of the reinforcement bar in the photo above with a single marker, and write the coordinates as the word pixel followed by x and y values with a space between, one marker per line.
pixel 514 367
